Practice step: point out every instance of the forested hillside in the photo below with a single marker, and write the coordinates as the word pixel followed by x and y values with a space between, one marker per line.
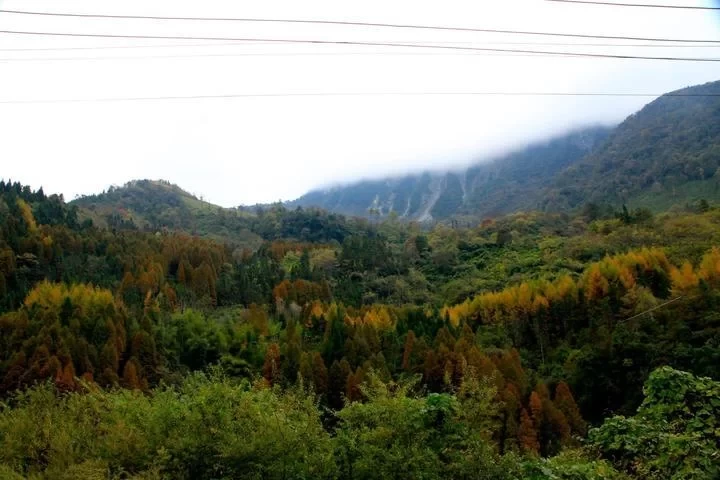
pixel 666 154
pixel 159 206
pixel 342 348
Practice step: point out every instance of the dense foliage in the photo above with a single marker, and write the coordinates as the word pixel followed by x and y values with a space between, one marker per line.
pixel 665 151
pixel 211 427
pixel 159 205
pixel 675 432
pixel 350 349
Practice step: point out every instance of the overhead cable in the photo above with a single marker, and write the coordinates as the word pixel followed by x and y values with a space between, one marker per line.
pixel 647 5
pixel 349 23
pixel 356 94
pixel 369 44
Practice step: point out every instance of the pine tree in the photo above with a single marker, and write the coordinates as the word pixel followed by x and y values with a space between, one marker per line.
pixel 407 350
pixel 507 436
pixel 291 360
pixel 319 373
pixel 556 431
pixel 181 274
pixel 527 434
pixel 536 408
pixel 352 389
pixel 65 378
pixel 130 377
pixel 337 383
pixel 565 402
pixel 271 366
pixel 306 369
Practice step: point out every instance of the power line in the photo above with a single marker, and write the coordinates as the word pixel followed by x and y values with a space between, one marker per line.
pixel 357 94
pixel 241 43
pixel 684 7
pixel 269 54
pixel 159 45
pixel 351 23
pixel 653 308
pixel 369 44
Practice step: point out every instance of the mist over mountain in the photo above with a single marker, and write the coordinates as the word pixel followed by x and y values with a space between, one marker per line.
pixel 523 335
pixel 508 183
pixel 396 240
pixel 666 153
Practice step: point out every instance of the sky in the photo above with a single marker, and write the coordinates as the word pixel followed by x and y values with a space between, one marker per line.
pixel 246 150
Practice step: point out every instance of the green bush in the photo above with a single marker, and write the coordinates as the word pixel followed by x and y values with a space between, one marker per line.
pixel 675 433
pixel 206 428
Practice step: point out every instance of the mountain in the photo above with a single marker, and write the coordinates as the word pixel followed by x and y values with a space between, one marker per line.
pixel 156 204
pixel 509 183
pixel 667 153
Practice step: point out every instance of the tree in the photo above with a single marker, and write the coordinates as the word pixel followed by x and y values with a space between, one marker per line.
pixel 527 434
pixel 306 368
pixel 319 374
pixel 421 443
pixel 334 339
pixel 675 433
pixel 130 377
pixel 271 365
pixel 65 378
pixel 181 274
pixel 353 389
pixel 565 402
pixel 407 350
pixel 337 383
pixel 625 215
pixel 504 237
pixel 293 351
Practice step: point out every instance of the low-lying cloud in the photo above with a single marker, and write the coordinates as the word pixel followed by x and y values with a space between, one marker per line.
pixel 247 150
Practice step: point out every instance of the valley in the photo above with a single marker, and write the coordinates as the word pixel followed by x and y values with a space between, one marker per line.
pixel 550 314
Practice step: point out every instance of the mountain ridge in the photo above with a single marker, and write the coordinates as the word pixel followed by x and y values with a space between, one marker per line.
pixel 432 195
pixel 159 204
pixel 665 154
pixel 672 143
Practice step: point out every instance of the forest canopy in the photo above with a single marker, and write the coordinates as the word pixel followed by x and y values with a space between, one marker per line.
pixel 534 345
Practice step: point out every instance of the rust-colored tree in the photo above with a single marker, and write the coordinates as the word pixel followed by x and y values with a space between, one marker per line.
pixel 271 366
pixel 319 374
pixel 527 434
pixel 565 402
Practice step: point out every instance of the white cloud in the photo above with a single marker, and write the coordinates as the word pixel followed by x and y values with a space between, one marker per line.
pixel 248 150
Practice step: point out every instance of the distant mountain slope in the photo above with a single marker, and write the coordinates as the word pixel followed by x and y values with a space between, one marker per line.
pixel 153 204
pixel 159 205
pixel 667 153
pixel 513 182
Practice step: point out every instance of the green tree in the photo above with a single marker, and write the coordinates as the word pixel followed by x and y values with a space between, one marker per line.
pixel 675 433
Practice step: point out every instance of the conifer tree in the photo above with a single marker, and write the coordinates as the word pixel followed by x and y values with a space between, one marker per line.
pixel 527 434
pixel 271 366
pixel 565 402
